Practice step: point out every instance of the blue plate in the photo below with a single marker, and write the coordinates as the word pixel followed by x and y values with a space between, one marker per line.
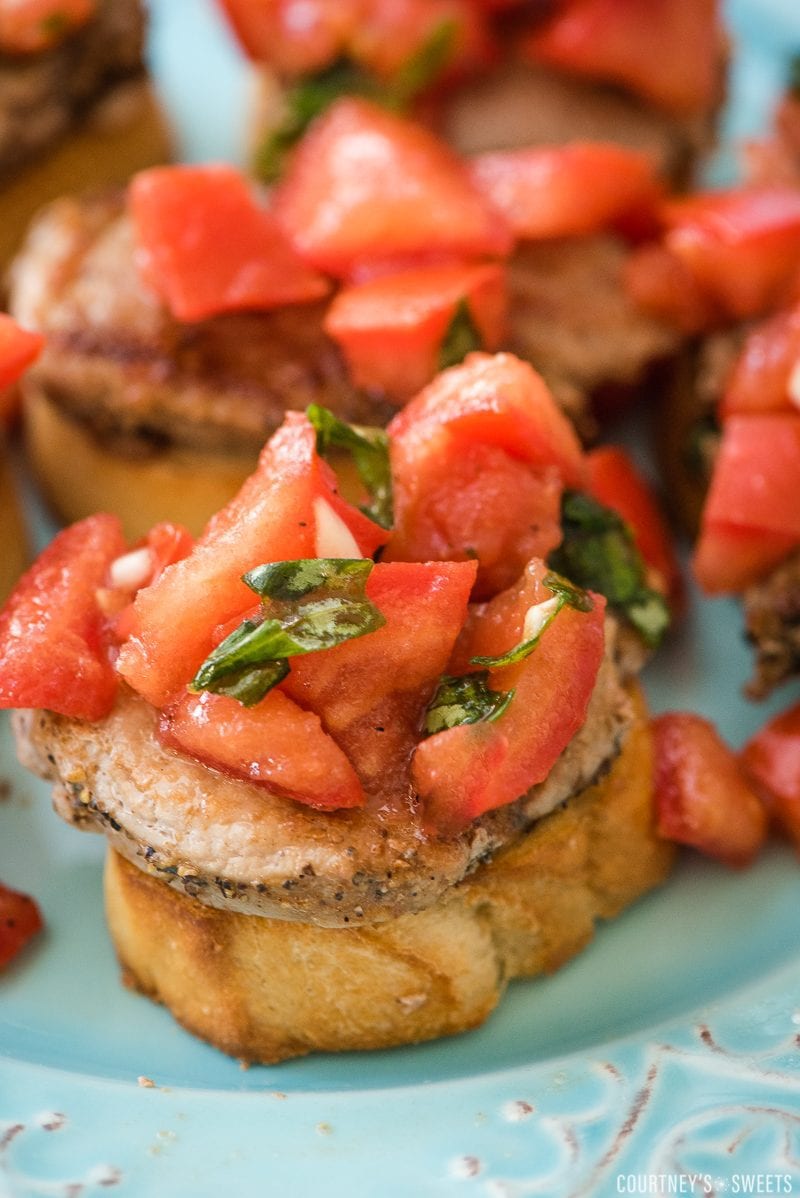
pixel 662 1060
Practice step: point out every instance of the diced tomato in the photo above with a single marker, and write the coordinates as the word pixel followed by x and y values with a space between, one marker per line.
pixel 479 460
pixel 761 377
pixel 741 246
pixel 391 329
pixel 371 692
pixel 54 650
pixel 364 182
pixel 703 799
pixel 164 544
pixel 751 518
pixel 771 760
pixel 488 506
pixel 661 284
pixel 615 481
pixel 296 37
pixel 756 472
pixel 28 26
pixel 393 34
pixel 727 558
pixel 668 51
pixel 565 191
pixel 274 517
pixel 274 744
pixel 20 920
pixel 18 348
pixel 472 768
pixel 205 244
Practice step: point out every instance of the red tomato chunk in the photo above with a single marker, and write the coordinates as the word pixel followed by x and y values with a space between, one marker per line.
pixel 364 183
pixel 206 245
pixel 666 50
pixel 772 761
pixel 274 744
pixel 371 692
pixel 467 770
pixel 565 191
pixel 54 644
pixel 391 329
pixel 703 798
pixel 20 921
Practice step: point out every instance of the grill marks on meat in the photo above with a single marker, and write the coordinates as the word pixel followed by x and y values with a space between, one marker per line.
pixel 236 846
pixel 118 362
pixel 772 615
pixel 43 95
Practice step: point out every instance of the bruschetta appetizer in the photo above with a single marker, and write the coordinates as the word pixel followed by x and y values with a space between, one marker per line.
pixel 391 749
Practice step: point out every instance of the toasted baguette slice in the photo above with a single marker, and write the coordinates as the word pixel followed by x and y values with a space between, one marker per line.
pixel 266 989
pixel 125 132
pixel 78 474
pixel 13 540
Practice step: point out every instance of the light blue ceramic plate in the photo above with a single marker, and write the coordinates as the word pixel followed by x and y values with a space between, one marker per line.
pixel 663 1057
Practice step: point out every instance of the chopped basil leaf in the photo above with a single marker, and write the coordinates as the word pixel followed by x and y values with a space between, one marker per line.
pixel 369 449
pixel 598 552
pixel 650 617
pixel 426 65
pixel 461 338
pixel 573 596
pixel 251 684
pixel 311 96
pixel 306 100
pixel 464 700
pixel 307 606
pixel 288 581
pixel 538 618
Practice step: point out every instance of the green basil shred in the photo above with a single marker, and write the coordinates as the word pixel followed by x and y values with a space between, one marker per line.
pixel 598 552
pixel 311 96
pixel 466 699
pixel 307 605
pixel 565 594
pixel 461 338
pixel 369 449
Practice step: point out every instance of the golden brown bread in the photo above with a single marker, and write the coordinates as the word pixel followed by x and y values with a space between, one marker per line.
pixel 13 540
pixel 125 132
pixel 267 989
pixel 79 475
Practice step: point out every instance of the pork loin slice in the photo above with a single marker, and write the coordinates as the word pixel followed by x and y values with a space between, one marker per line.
pixel 236 846
pixel 522 104
pixel 116 360
pixel 42 96
pixel 772 620
pixel 572 318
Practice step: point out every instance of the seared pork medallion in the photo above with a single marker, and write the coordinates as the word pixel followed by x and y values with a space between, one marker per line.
pixel 397 746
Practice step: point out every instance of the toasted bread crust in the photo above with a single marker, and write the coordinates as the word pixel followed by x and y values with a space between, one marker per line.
pixel 13 541
pixel 78 474
pixel 267 989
